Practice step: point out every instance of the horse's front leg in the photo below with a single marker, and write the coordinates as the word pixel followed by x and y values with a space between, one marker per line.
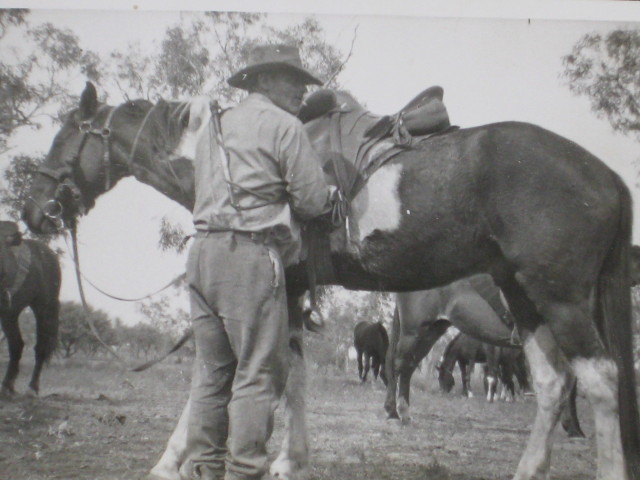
pixel 16 344
pixel 175 452
pixel 294 453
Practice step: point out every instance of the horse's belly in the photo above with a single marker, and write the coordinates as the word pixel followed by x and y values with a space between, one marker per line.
pixel 409 239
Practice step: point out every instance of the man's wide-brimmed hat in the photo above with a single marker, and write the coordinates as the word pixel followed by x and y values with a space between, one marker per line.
pixel 264 58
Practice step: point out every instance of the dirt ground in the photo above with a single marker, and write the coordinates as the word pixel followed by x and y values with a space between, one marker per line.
pixel 93 421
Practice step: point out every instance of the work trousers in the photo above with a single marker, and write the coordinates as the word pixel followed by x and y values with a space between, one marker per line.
pixel 240 324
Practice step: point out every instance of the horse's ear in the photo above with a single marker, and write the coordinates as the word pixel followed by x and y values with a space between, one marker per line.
pixel 88 101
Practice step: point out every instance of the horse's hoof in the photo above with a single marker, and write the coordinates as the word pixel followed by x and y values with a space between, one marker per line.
pixel 405 420
pixel 154 476
pixel 286 469
pixel 393 416
pixel 7 392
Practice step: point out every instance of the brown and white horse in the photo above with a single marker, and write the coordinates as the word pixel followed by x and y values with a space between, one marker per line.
pixel 550 222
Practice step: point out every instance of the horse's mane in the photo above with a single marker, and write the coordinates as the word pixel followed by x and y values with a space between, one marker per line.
pixel 164 122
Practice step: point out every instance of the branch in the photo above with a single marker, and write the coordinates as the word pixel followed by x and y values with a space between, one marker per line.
pixel 341 66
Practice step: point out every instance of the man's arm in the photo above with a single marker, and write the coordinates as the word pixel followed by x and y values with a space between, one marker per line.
pixel 310 194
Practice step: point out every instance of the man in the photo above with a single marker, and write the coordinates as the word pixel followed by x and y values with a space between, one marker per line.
pixel 246 196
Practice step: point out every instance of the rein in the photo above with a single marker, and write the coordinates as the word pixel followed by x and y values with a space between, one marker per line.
pixel 94 330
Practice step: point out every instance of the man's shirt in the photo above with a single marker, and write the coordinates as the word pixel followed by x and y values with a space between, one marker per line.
pixel 272 171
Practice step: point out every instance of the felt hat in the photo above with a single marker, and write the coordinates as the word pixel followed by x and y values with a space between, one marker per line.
pixel 264 58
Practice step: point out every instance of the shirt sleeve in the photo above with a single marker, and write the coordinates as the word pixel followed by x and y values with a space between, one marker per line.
pixel 302 173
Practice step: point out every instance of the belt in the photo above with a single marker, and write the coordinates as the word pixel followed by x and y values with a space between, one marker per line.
pixel 255 236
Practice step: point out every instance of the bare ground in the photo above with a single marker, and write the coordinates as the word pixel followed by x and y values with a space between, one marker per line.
pixel 93 421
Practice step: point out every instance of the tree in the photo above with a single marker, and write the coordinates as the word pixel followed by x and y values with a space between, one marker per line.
pixel 35 84
pixel 142 338
pixel 34 88
pixel 173 322
pixel 606 69
pixel 74 334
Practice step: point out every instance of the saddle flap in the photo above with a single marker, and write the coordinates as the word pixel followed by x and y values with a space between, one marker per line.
pixel 317 104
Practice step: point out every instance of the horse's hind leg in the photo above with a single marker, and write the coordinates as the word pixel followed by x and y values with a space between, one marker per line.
pixel 16 344
pixel 390 367
pixel 465 377
pixel 46 335
pixel 360 367
pixel 175 452
pixel 597 374
pixel 375 366
pixel 569 415
pixel 549 372
pixel 367 360
pixel 294 451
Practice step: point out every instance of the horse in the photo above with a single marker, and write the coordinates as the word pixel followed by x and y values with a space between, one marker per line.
pixel 29 277
pixel 550 222
pixel 474 306
pixel 500 365
pixel 371 340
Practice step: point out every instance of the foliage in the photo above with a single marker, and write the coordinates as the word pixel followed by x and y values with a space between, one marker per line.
pixel 36 85
pixel 74 333
pixel 172 236
pixel 18 178
pixel 197 55
pixel 142 338
pixel 606 69
pixel 165 318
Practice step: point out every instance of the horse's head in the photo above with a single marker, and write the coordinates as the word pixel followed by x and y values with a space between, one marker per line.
pixel 97 146
pixel 88 156
pixel 445 378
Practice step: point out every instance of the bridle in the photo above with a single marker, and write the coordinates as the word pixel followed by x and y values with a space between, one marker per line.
pixel 53 209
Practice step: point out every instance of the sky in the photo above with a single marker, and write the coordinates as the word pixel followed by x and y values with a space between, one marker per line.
pixel 492 69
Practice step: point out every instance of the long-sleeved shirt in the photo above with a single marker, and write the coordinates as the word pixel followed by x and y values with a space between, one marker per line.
pixel 273 171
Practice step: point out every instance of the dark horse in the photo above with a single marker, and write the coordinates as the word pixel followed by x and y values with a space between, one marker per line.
pixel 501 364
pixel 371 340
pixel 29 277
pixel 546 219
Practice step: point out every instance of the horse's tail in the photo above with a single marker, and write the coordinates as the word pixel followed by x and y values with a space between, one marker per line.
pixel 48 320
pixel 614 317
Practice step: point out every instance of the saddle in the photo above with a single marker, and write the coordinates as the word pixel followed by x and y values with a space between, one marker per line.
pixel 361 142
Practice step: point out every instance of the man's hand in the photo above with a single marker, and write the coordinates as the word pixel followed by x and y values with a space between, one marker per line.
pixel 334 218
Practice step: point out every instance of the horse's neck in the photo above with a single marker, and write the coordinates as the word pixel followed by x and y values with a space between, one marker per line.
pixel 172 178
pixel 168 163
